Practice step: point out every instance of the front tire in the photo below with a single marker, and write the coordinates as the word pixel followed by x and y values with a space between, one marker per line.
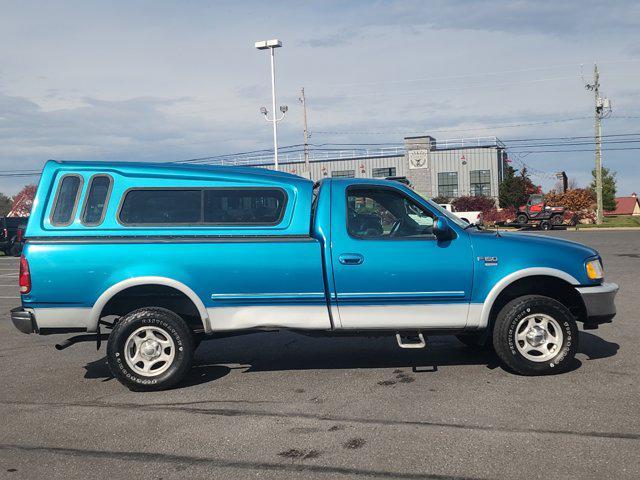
pixel 535 335
pixel 150 349
pixel 522 219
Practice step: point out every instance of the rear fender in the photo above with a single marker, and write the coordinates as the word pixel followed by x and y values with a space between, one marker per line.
pixel 149 280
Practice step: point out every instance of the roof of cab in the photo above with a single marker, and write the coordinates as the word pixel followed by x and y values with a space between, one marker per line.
pixel 178 169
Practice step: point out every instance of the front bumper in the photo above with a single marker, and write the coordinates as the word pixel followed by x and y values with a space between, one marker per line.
pixel 24 320
pixel 599 303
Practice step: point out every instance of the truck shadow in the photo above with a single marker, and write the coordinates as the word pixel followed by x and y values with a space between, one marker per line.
pixel 286 351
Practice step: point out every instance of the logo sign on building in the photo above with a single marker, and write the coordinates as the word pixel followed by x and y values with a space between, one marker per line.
pixel 417 159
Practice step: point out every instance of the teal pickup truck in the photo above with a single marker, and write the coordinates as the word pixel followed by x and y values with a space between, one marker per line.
pixel 154 258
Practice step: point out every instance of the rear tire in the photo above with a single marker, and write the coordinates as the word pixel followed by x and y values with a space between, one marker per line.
pixel 535 335
pixel 522 219
pixel 150 349
pixel 545 225
pixel 557 220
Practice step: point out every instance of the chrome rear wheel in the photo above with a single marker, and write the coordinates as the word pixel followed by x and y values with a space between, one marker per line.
pixel 150 351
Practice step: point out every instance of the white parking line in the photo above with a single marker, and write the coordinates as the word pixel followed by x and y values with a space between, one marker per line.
pixel 9 275
pixel 10 285
pixel 11 297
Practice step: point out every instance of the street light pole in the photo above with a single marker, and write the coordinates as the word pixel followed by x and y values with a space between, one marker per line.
pixel 273 106
pixel 272 45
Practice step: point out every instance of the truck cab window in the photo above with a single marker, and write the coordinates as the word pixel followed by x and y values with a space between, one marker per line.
pixel 374 213
pixel 66 199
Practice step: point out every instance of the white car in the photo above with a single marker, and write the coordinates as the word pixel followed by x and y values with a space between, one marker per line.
pixel 469 217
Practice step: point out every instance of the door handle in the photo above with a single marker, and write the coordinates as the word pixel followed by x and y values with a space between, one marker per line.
pixel 351 259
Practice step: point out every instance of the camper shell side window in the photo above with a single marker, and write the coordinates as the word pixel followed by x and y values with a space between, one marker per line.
pixel 65 202
pixel 202 206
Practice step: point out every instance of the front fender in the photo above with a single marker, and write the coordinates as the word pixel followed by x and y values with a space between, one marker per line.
pixel 504 282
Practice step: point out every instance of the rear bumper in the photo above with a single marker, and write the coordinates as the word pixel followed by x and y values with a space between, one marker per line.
pixel 24 320
pixel 599 303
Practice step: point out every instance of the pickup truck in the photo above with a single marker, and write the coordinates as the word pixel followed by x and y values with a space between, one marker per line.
pixel 11 229
pixel 154 258
pixel 469 217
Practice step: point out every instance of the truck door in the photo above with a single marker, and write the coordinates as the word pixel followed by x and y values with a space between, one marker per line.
pixel 389 269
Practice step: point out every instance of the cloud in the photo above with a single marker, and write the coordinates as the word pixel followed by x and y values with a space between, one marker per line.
pixel 121 81
pixel 341 37
pixel 516 16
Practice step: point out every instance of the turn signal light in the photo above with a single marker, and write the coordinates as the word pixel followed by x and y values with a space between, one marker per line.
pixel 594 270
pixel 25 276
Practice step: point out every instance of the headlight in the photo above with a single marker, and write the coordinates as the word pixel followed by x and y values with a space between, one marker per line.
pixel 594 269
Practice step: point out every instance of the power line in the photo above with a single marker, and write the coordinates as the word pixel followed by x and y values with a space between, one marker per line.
pixel 574 150
pixel 448 77
pixel 470 75
pixel 471 129
pixel 459 87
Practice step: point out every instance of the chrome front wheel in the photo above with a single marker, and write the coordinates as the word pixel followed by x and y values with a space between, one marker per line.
pixel 538 337
pixel 535 335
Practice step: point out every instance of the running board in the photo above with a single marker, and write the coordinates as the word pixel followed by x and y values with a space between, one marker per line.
pixel 411 341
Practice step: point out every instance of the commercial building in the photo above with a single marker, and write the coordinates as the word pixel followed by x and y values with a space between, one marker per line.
pixel 450 168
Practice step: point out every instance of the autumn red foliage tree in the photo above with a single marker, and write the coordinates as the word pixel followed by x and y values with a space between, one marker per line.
pixel 23 201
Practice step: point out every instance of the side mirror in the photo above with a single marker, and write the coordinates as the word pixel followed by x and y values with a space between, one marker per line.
pixel 441 229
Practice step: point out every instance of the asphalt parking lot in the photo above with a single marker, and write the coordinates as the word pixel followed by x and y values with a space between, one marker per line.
pixel 280 405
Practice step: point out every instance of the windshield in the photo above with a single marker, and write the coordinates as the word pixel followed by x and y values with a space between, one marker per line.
pixel 445 213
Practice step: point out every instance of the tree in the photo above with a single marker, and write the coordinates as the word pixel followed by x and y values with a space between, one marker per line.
pixel 5 205
pixel 576 199
pixel 515 188
pixel 23 201
pixel 608 188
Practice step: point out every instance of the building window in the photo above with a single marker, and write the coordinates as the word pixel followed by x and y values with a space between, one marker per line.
pixel 448 184
pixel 343 173
pixel 384 172
pixel 480 183
pixel 211 206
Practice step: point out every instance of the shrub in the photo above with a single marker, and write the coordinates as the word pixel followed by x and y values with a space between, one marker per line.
pixel 439 200
pixel 494 215
pixel 473 204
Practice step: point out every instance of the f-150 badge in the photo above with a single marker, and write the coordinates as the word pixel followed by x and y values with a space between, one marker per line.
pixel 489 261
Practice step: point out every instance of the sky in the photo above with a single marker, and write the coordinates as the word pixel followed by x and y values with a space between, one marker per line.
pixel 165 81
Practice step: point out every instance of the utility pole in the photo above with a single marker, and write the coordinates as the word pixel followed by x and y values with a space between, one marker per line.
pixel 303 101
pixel 602 109
pixel 598 127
